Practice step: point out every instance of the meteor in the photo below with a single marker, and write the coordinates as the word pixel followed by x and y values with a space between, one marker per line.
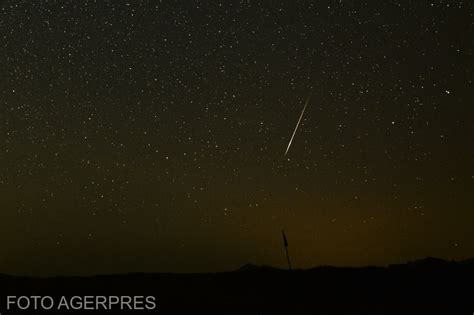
pixel 297 125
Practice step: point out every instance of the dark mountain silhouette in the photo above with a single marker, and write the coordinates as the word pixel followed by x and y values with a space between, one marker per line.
pixel 467 261
pixel 430 261
pixel 257 268
pixel 427 286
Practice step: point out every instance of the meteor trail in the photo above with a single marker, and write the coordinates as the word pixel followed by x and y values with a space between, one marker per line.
pixel 297 125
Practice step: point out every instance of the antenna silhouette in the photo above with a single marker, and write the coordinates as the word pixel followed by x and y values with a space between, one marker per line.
pixel 285 242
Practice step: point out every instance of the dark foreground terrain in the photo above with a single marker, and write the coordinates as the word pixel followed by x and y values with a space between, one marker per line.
pixel 429 286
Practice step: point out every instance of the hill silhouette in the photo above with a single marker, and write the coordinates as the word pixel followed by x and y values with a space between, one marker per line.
pixel 427 286
pixel 257 268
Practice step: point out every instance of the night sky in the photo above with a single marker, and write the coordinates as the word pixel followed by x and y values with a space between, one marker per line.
pixel 150 135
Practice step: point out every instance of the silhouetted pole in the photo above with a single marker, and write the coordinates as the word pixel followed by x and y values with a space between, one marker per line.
pixel 285 242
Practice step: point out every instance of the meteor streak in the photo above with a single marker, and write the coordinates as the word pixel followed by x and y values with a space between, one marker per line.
pixel 297 125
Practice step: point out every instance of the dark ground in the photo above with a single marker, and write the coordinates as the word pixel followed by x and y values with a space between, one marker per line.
pixel 429 286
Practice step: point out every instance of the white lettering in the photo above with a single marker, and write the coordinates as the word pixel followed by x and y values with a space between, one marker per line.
pixel 9 301
pixel 150 303
pixel 63 302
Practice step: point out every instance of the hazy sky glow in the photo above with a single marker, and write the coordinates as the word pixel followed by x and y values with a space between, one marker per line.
pixel 147 136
